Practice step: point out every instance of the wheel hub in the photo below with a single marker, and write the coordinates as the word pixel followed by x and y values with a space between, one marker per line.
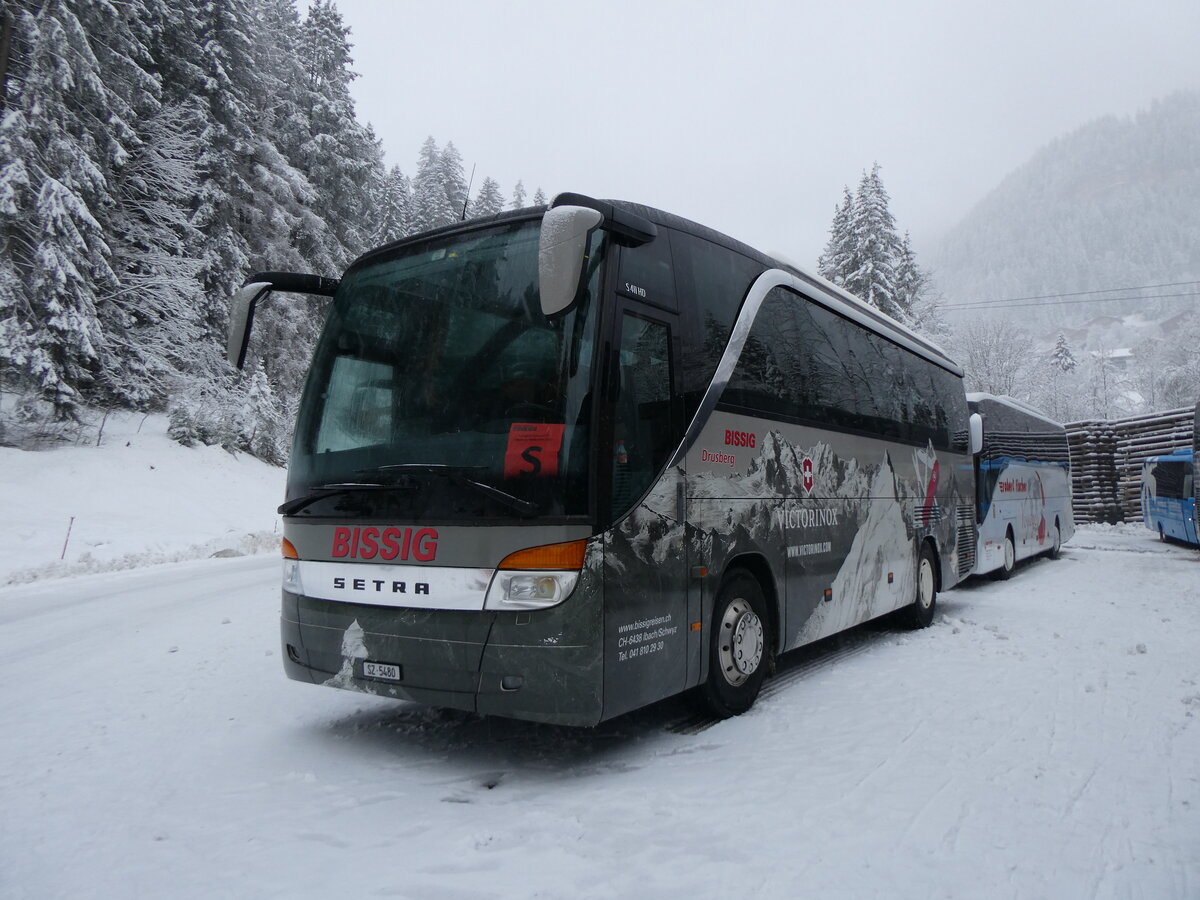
pixel 741 647
pixel 925 586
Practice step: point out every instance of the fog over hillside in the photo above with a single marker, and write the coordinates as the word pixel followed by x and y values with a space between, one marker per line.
pixel 1075 284
pixel 1112 206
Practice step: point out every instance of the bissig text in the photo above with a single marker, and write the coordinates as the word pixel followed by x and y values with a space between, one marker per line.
pixel 386 543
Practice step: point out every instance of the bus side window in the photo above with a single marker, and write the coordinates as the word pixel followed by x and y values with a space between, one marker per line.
pixel 642 428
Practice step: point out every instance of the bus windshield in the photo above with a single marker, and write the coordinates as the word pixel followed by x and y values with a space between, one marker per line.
pixel 439 389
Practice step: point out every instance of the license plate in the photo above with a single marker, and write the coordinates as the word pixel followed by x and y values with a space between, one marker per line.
pixel 386 671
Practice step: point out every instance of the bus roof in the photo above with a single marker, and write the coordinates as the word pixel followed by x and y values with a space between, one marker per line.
pixel 977 397
pixel 1180 454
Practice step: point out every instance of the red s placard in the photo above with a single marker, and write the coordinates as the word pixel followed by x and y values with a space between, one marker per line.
pixel 532 449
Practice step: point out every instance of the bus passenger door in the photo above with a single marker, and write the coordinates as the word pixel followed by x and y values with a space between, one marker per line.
pixel 645 562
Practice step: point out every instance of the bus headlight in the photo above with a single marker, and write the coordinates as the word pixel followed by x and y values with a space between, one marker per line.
pixel 291 577
pixel 291 568
pixel 537 577
pixel 529 590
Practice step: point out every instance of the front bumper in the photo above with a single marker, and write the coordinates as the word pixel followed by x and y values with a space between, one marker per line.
pixel 542 665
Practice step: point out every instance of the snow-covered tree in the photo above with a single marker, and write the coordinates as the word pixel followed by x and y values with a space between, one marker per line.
pixel 490 201
pixel 994 354
pixel 430 205
pixel 539 198
pixel 454 182
pixel 341 158
pixel 63 132
pixel 149 320
pixel 866 256
pixel 834 262
pixel 1063 359
pixel 875 249
pixel 395 203
pixel 518 197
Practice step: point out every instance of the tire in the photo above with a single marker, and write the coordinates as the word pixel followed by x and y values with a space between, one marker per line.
pixel 1055 550
pixel 739 647
pixel 1010 558
pixel 924 605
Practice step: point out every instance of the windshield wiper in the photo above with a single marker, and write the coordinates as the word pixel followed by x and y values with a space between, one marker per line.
pixel 457 475
pixel 294 506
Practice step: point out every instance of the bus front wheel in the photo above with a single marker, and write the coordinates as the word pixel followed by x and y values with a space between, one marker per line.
pixel 739 646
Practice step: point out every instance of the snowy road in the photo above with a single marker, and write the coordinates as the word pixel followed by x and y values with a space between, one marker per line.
pixel 1042 740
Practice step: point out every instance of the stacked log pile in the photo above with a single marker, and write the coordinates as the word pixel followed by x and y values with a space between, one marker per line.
pixel 1093 471
pixel 1107 456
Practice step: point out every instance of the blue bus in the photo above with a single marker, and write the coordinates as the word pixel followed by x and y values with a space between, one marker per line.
pixel 1169 495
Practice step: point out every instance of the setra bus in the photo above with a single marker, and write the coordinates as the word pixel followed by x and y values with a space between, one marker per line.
pixel 560 463
pixel 1022 485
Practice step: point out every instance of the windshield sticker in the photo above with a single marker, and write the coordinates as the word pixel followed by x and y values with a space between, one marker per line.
pixel 533 449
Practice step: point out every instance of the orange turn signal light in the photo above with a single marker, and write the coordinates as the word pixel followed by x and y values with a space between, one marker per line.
pixel 550 556
pixel 289 550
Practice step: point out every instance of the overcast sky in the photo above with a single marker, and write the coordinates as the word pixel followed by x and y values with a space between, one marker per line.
pixel 750 117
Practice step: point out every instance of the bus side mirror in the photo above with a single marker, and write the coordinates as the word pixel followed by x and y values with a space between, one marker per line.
pixel 562 250
pixel 976 421
pixel 257 286
pixel 241 319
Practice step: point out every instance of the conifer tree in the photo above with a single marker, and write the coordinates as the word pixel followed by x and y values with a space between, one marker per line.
pixel 539 198
pixel 430 205
pixel 871 274
pixel 834 262
pixel 56 141
pixel 341 158
pixel 866 256
pixel 1064 360
pixel 490 201
pixel 394 207
pixel 450 167
pixel 518 197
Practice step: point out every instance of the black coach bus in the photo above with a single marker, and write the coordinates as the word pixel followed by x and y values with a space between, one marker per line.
pixel 563 462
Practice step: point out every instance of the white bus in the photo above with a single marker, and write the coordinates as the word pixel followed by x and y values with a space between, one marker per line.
pixel 563 462
pixel 1022 485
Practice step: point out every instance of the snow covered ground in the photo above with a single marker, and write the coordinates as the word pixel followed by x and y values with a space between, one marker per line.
pixel 137 498
pixel 1041 740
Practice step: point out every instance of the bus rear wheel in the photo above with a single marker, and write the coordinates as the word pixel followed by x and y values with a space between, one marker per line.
pixel 1010 558
pixel 739 647
pixel 1056 547
pixel 920 614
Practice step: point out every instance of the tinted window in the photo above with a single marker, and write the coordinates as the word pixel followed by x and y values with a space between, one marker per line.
pixel 805 362
pixel 646 272
pixel 713 281
pixel 1169 477
pixel 642 433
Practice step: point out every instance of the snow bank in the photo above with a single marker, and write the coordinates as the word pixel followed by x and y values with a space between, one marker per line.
pixel 136 499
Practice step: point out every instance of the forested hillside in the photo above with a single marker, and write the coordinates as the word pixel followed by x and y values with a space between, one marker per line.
pixel 1075 284
pixel 1115 204
pixel 153 153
